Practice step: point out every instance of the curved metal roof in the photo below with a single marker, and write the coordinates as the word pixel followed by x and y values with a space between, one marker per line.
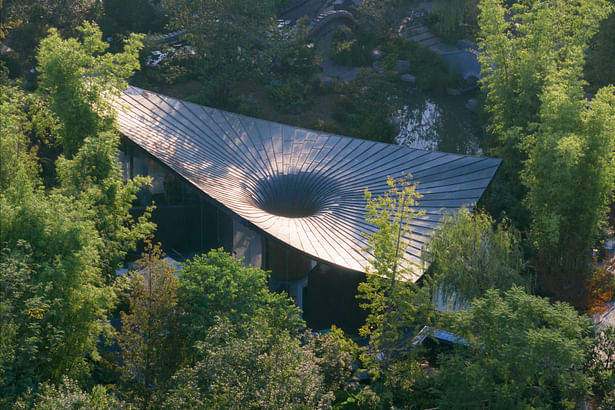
pixel 300 186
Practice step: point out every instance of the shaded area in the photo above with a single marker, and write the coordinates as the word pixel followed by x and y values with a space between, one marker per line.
pixel 330 299
pixel 295 195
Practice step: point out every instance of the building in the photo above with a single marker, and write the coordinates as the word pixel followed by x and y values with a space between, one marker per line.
pixel 287 199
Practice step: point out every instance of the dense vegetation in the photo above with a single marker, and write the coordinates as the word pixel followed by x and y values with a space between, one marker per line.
pixel 517 278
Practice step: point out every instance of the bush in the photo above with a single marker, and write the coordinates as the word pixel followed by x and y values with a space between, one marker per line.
pixel 430 70
pixel 289 97
pixel 347 51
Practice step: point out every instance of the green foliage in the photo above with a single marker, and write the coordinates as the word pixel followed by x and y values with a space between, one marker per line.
pixel 293 56
pixel 380 14
pixel 20 314
pixel 149 337
pixel 53 303
pixel 289 97
pixel 131 16
pixel 470 255
pixel 62 288
pixel 16 150
pixel 430 70
pixel 346 50
pixel 94 176
pixel 601 367
pixel 217 285
pixel 455 19
pixel 410 383
pixel 68 395
pixel 522 44
pixel 63 15
pixel 524 352
pixel 569 173
pixel 333 353
pixel 231 38
pixel 364 108
pixel 599 66
pixel 23 23
pixel 395 304
pixel 250 366
pixel 57 242
pixel 80 80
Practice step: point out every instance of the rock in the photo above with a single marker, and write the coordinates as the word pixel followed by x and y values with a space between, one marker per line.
pixel 402 66
pixel 408 78
pixel 377 66
pixel 378 54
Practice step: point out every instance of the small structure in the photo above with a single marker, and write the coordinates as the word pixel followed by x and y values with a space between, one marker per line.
pixel 286 199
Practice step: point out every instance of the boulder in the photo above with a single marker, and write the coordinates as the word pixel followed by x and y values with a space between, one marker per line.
pixel 408 78
pixel 377 66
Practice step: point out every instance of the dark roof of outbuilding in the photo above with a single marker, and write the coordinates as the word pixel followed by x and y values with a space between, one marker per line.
pixel 301 186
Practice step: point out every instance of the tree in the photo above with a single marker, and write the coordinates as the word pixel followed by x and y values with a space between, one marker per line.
pixel 53 300
pixel 522 43
pixel 599 67
pixel 245 348
pixel 18 114
pixel 570 175
pixel 456 18
pixel 63 15
pixel 56 241
pixel 69 298
pixel 68 395
pixel 23 23
pixel 470 255
pixel 394 302
pixel 380 14
pixel 250 365
pixel 20 314
pixel 216 285
pixel 231 35
pixel 518 351
pixel 601 367
pixel 80 81
pixel 334 354
pixel 149 334
pixel 94 176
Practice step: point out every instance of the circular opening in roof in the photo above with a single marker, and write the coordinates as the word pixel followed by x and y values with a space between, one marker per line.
pixel 295 195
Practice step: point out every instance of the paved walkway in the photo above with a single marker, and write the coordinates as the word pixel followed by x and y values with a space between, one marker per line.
pixel 463 57
pixel 330 71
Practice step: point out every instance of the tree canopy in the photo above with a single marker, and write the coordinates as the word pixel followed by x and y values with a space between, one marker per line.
pixel 231 37
pixel 570 173
pixel 395 304
pixel 522 44
pixel 518 351
pixel 80 80
pixel 471 254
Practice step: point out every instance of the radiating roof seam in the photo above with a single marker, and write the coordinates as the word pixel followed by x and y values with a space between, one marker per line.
pixel 248 165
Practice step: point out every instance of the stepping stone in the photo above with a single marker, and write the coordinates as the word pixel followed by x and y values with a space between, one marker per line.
pixel 402 66
pixel 421 37
pixel 418 29
pixel 430 42
pixel 408 78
